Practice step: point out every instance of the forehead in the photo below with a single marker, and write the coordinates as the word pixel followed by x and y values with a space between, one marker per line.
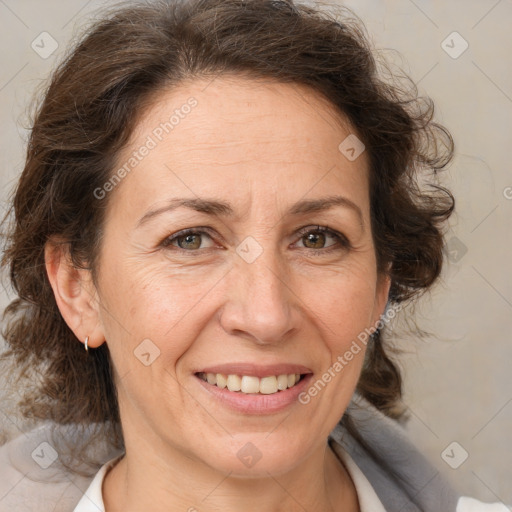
pixel 228 108
pixel 237 132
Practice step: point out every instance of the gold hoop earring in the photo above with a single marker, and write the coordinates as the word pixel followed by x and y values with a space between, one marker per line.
pixel 86 342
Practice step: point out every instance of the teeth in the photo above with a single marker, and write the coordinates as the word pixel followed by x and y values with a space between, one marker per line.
pixel 268 385
pixel 234 383
pixel 282 382
pixel 250 384
pixel 222 381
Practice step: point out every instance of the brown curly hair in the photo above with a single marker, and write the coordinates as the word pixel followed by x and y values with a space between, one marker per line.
pixel 90 108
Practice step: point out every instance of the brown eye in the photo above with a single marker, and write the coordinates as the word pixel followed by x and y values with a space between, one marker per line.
pixel 188 240
pixel 316 238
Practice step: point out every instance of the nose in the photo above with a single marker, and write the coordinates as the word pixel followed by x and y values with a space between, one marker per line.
pixel 260 303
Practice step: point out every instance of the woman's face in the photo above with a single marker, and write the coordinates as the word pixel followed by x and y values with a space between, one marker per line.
pixel 253 289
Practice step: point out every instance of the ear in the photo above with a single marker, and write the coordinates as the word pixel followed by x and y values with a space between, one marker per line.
pixel 381 296
pixel 75 294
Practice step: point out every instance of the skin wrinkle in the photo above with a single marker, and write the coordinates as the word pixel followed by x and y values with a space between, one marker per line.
pixel 286 306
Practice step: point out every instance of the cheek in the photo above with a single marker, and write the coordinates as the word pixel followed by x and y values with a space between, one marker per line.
pixel 343 301
pixel 149 302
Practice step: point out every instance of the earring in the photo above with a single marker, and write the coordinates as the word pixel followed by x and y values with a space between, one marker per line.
pixel 86 342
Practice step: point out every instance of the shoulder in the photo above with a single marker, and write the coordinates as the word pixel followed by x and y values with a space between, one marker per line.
pixel 402 477
pixel 33 477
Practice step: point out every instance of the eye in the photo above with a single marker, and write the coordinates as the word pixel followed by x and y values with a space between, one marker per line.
pixel 314 238
pixel 187 239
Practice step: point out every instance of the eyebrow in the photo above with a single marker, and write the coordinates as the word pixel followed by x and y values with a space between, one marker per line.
pixel 219 208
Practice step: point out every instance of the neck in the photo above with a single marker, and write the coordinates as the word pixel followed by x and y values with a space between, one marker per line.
pixel 319 484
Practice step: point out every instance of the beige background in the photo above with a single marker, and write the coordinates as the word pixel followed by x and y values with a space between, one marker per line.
pixel 458 384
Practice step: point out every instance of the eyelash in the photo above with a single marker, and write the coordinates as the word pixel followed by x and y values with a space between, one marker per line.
pixel 342 241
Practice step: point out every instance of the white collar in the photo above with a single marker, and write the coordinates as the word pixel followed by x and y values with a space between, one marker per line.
pixel 92 500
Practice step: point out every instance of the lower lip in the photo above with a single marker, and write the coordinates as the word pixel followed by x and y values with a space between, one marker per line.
pixel 256 403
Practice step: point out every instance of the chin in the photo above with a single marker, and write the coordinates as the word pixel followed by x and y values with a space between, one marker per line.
pixel 256 455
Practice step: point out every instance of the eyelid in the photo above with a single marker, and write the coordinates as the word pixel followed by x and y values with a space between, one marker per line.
pixel 202 230
pixel 342 240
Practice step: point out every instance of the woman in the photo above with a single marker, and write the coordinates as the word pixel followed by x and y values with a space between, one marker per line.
pixel 220 204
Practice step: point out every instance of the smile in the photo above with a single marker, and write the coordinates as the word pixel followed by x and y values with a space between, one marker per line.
pixel 251 384
pixel 253 395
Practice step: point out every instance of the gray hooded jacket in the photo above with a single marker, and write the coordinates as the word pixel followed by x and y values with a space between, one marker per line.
pixel 32 478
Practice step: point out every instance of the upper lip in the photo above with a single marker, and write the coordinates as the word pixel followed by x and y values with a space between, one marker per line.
pixel 255 370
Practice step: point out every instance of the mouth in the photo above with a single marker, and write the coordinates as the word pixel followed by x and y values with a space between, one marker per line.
pixel 254 390
pixel 251 384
